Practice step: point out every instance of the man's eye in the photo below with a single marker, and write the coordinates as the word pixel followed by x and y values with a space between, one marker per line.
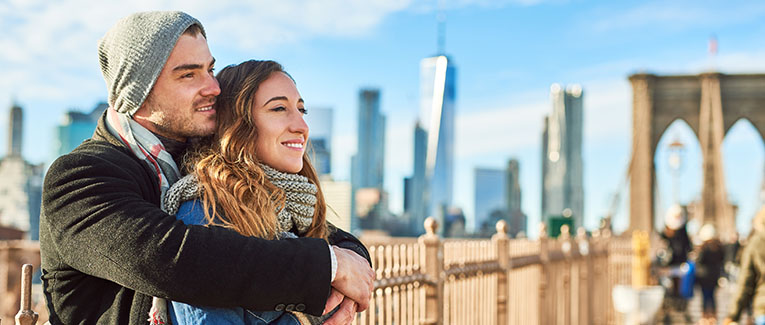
pixel 188 75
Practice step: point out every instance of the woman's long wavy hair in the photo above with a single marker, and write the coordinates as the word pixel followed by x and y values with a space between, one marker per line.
pixel 226 164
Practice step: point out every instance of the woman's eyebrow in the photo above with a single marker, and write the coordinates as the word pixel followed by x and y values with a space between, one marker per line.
pixel 275 98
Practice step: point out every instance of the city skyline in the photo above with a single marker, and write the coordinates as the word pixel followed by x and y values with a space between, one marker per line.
pixel 509 53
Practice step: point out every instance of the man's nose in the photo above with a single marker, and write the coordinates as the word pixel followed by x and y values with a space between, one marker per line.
pixel 211 87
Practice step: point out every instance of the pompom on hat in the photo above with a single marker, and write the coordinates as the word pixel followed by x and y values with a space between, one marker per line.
pixel 134 51
pixel 675 217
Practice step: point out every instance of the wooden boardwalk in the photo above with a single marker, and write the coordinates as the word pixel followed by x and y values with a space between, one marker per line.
pixel 724 296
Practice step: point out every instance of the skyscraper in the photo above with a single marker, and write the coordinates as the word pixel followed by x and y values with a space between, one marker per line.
pixel 367 165
pixel 489 200
pixel 21 188
pixel 319 122
pixel 15 128
pixel 75 127
pixel 437 96
pixel 414 204
pixel 518 220
pixel 562 188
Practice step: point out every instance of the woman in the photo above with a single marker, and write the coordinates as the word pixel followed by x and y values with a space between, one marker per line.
pixel 254 177
pixel 708 270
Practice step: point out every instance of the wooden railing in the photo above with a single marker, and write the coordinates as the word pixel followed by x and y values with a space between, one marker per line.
pixel 429 280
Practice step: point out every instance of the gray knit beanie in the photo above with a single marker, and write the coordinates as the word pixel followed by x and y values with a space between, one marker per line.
pixel 133 52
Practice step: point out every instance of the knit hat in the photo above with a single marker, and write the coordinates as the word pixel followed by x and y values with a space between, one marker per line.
pixel 707 232
pixel 675 218
pixel 134 51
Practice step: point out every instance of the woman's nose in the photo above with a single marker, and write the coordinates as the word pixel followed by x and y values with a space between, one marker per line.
pixel 298 124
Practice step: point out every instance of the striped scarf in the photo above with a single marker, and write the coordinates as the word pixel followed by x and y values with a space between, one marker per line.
pixel 146 146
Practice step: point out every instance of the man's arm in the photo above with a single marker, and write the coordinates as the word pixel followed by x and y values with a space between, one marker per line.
pixel 340 238
pixel 102 224
pixel 746 284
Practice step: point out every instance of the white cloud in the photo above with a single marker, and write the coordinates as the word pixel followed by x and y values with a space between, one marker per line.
pixel 432 5
pixel 50 43
pixel 677 14
pixel 500 129
pixel 607 110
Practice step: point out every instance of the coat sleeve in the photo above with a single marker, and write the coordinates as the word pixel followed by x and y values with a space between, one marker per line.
pixel 345 240
pixel 746 284
pixel 102 224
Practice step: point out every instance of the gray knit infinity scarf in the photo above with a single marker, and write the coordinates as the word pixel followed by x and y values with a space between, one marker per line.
pixel 299 192
pixel 300 195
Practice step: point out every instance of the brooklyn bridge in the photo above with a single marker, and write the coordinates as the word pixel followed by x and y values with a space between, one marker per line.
pixel 569 279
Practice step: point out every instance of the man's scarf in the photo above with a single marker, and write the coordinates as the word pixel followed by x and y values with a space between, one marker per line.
pixel 146 146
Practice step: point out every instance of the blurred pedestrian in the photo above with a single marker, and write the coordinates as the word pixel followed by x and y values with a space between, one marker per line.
pixel 731 250
pixel 674 259
pixel 708 269
pixel 751 282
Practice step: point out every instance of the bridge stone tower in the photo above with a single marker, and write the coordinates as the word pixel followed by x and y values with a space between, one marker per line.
pixel 710 103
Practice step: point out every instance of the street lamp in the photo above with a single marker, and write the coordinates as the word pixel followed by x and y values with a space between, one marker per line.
pixel 676 153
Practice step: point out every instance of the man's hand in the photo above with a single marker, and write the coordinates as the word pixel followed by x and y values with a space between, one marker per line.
pixel 345 314
pixel 354 278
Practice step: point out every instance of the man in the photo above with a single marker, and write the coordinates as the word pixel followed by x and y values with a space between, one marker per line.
pixel 106 245
pixel 750 288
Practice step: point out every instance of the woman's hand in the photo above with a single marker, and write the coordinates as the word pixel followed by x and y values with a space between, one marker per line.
pixel 345 314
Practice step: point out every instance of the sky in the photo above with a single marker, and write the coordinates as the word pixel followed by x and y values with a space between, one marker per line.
pixel 507 53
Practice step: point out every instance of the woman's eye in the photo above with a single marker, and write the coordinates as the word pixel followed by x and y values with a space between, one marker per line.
pixel 278 109
pixel 303 110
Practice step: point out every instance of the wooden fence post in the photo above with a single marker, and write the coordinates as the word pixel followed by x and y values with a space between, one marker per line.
pixel 566 249
pixel 26 315
pixel 544 306
pixel 501 241
pixel 586 294
pixel 434 266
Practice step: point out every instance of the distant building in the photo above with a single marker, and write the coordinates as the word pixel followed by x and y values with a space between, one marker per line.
pixel 490 193
pixel 454 223
pixel 21 188
pixel 437 110
pixel 319 121
pixel 518 219
pixel 15 128
pixel 562 180
pixel 76 127
pixel 338 198
pixel 414 188
pixel 367 165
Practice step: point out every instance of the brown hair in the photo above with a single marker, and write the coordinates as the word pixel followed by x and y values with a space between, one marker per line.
pixel 227 166
pixel 193 30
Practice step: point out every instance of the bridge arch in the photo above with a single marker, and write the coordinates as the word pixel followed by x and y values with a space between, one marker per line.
pixel 710 103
